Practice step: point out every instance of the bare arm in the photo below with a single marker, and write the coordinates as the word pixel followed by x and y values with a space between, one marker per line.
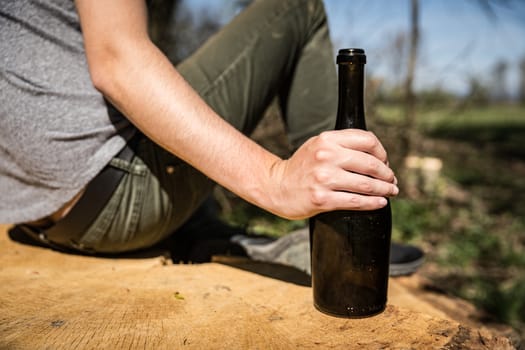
pixel 141 82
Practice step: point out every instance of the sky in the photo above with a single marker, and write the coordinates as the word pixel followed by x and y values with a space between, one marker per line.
pixel 459 40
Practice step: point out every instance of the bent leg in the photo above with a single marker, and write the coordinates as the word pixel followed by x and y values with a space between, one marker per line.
pixel 273 48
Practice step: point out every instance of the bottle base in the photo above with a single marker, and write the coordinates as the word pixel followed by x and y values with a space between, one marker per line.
pixel 361 313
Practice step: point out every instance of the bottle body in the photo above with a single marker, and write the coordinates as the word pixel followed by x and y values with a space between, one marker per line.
pixel 350 259
pixel 350 249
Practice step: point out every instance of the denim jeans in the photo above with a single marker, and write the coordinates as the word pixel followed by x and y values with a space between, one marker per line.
pixel 274 48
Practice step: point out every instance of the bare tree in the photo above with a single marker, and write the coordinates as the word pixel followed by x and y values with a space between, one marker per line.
pixel 521 96
pixel 161 13
pixel 498 84
pixel 411 69
pixel 409 133
pixel 398 50
pixel 176 30
pixel 478 94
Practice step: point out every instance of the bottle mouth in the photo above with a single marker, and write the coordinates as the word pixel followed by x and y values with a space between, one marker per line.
pixel 352 55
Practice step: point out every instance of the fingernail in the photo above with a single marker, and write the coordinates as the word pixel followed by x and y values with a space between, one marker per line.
pixel 395 180
pixel 382 201
pixel 396 190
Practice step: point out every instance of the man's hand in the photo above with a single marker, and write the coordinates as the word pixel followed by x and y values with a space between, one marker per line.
pixel 344 169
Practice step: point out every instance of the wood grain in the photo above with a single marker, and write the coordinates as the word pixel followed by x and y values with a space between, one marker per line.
pixel 52 300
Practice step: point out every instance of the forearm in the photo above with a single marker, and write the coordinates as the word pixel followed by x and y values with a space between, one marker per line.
pixel 155 97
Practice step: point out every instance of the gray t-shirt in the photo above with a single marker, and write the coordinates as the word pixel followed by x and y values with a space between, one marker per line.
pixel 56 132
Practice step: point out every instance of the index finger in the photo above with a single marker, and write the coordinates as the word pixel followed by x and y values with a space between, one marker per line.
pixel 361 140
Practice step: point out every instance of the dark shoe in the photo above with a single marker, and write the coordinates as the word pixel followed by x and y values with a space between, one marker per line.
pixel 404 259
pixel 293 249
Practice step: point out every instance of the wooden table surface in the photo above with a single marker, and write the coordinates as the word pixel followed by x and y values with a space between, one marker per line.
pixel 52 300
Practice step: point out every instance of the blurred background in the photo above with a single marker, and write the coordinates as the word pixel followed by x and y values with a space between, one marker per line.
pixel 446 94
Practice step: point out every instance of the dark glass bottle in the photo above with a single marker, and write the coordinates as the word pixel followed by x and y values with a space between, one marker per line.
pixel 350 249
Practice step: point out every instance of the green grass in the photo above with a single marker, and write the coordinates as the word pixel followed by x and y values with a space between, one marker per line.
pixel 499 116
pixel 502 127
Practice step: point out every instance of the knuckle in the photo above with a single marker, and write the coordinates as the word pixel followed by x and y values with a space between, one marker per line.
pixel 371 134
pixel 385 157
pixel 323 148
pixel 321 155
pixel 355 202
pixel 324 137
pixel 366 187
pixel 371 140
pixel 322 177
pixel 319 198
pixel 373 166
pixel 391 176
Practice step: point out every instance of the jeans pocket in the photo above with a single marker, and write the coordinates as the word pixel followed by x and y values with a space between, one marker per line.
pixel 114 229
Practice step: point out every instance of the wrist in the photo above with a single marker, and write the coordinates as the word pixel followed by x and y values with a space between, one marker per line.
pixel 264 188
pixel 274 195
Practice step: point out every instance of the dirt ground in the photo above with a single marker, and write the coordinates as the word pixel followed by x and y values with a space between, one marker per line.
pixel 52 300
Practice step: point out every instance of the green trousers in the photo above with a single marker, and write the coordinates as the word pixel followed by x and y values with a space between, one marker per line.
pixel 274 48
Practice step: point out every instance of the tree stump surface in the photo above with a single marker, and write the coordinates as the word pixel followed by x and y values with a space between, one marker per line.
pixel 52 300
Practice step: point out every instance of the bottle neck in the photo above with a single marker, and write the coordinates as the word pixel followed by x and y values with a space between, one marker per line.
pixel 351 108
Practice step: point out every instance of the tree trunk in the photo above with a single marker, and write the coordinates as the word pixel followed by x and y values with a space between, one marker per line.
pixel 410 134
pixel 161 12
